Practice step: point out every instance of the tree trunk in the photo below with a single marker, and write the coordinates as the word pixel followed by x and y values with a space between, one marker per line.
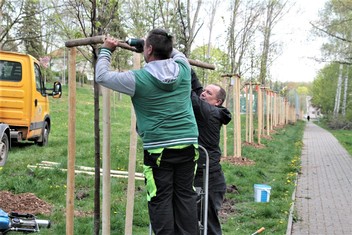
pixel 344 102
pixel 265 52
pixel 338 92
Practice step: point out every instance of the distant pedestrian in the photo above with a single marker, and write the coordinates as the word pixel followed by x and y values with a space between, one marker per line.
pixel 308 118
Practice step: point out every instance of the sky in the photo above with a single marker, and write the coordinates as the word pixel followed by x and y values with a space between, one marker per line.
pixel 296 63
pixel 298 46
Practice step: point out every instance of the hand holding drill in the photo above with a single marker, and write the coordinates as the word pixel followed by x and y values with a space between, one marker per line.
pixel 111 43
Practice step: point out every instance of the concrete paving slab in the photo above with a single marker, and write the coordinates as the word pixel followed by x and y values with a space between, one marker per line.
pixel 323 197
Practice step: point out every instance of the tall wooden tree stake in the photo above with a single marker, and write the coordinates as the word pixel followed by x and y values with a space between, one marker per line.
pixel 71 143
pixel 132 161
pixel 260 112
pixel 106 161
pixel 237 114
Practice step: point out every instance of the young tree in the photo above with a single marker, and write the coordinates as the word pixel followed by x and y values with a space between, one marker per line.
pixel 188 29
pixel 242 28
pixel 275 10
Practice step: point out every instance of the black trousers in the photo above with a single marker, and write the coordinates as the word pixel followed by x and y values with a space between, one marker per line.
pixel 171 195
pixel 216 193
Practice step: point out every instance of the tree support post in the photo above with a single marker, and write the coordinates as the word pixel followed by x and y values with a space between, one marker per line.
pixel 132 161
pixel 71 143
pixel 260 112
pixel 106 162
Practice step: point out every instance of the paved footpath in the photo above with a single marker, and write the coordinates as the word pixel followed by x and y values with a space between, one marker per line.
pixel 324 188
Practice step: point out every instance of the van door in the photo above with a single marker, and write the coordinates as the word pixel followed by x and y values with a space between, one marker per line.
pixel 40 104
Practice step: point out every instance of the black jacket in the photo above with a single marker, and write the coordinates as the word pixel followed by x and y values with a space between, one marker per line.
pixel 209 118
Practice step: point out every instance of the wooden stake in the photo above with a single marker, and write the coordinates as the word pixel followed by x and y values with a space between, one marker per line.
pixel 271 109
pixel 250 106
pixel 260 113
pixel 224 153
pixel 87 172
pixel 267 112
pixel 237 116
pixel 132 161
pixel 274 110
pixel 71 142
pixel 247 113
pixel 238 106
pixel 86 168
pixel 106 162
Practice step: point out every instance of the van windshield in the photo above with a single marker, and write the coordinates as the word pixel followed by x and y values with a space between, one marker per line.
pixel 10 71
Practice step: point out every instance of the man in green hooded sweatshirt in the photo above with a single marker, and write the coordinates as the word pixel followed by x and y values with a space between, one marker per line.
pixel 160 93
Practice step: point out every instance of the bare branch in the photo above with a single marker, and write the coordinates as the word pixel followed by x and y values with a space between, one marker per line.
pixel 330 34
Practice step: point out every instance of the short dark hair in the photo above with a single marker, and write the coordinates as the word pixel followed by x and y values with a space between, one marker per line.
pixel 162 43
pixel 221 94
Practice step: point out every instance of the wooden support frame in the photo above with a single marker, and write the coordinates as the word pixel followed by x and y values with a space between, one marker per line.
pixel 236 94
pixel 249 110
pixel 72 44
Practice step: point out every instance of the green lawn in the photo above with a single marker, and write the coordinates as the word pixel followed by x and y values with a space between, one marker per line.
pixel 276 164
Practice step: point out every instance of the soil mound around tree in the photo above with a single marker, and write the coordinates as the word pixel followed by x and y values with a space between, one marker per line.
pixel 240 161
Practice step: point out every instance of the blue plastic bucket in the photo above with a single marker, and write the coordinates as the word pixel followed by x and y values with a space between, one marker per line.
pixel 261 193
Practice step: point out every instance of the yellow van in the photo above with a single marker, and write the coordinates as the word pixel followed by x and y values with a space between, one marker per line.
pixel 24 103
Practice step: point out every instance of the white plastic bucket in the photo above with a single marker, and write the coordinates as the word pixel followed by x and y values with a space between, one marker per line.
pixel 261 193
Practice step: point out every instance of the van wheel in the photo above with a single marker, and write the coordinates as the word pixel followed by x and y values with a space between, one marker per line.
pixel 45 135
pixel 4 149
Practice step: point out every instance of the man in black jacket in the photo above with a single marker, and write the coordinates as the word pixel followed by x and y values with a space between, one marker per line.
pixel 210 116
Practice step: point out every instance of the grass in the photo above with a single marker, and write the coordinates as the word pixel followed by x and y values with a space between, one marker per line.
pixel 276 164
pixel 343 136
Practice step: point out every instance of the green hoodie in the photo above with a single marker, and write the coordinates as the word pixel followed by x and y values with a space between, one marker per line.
pixel 164 109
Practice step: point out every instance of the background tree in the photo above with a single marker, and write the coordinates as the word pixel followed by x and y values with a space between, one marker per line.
pixel 338 91
pixel 30 30
pixel 189 26
pixel 275 10
pixel 241 34
pixel 324 87
pixel 217 57
pixel 12 13
pixel 334 26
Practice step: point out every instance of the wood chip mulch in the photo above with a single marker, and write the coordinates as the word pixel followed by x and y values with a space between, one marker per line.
pixel 23 203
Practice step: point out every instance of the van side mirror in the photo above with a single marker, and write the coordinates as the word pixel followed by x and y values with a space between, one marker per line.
pixel 57 90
